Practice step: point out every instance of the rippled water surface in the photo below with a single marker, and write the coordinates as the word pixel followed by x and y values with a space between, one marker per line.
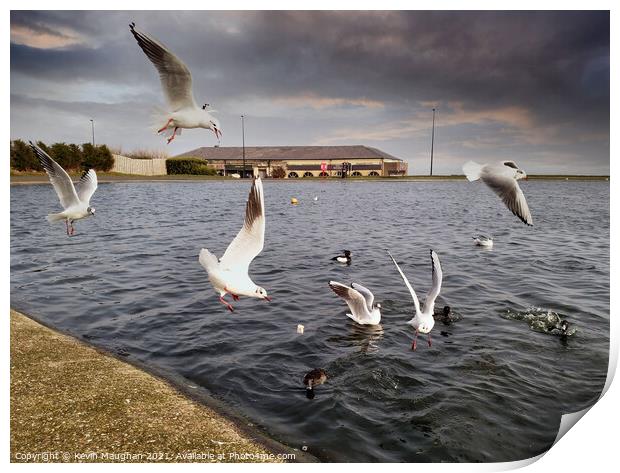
pixel 489 388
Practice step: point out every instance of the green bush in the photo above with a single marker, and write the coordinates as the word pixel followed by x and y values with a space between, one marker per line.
pixel 189 166
pixel 278 172
pixel 97 157
pixel 70 156
pixel 23 158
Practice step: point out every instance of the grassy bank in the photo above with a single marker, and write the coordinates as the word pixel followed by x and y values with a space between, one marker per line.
pixel 73 403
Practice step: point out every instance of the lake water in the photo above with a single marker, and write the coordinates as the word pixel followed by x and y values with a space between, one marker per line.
pixel 489 389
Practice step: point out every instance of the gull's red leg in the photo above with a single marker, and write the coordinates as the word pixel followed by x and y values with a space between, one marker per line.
pixel 415 341
pixel 67 225
pixel 174 133
pixel 429 340
pixel 165 126
pixel 228 306
pixel 234 296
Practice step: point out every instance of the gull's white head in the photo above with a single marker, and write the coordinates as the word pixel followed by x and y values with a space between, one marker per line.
pixel 212 123
pixel 518 173
pixel 261 293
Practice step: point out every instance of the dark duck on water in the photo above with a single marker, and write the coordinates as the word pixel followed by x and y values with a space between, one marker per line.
pixel 345 257
pixel 314 378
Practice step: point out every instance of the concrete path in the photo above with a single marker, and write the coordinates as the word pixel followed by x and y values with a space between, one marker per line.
pixel 72 403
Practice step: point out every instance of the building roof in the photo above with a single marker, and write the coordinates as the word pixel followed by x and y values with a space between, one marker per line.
pixel 289 153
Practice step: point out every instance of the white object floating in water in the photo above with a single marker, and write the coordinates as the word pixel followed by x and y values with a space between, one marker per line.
pixel 300 329
pixel 316 197
pixel 482 240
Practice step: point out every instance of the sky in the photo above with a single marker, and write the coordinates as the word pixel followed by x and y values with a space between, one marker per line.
pixel 532 87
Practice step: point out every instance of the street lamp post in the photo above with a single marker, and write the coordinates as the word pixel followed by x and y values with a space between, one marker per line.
pixel 243 143
pixel 92 125
pixel 432 141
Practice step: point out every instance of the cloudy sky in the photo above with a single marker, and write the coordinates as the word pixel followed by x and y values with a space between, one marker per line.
pixel 528 86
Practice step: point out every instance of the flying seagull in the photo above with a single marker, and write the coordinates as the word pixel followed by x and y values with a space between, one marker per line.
pixel 229 275
pixel 74 201
pixel 502 179
pixel 361 302
pixel 423 320
pixel 176 80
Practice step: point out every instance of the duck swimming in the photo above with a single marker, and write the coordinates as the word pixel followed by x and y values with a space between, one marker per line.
pixel 446 315
pixel 314 378
pixel 345 257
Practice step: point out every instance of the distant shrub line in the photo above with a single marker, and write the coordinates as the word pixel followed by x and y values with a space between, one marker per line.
pixel 71 157
pixel 189 166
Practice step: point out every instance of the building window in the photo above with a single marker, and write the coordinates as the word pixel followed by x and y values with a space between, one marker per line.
pixel 323 174
pixel 356 173
pixel 373 173
pixel 293 175
pixel 308 174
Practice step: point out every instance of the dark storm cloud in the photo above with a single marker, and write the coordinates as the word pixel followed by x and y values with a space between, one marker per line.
pixel 534 70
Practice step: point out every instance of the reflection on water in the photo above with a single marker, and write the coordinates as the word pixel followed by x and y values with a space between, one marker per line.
pixel 363 337
pixel 130 282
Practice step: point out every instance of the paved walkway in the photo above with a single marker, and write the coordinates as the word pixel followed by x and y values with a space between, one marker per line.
pixel 70 402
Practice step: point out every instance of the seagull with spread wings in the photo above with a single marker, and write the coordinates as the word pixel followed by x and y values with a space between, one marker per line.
pixel 502 179
pixel 361 302
pixel 229 275
pixel 423 320
pixel 176 80
pixel 76 202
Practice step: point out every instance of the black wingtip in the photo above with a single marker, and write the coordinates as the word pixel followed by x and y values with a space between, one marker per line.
pixel 132 25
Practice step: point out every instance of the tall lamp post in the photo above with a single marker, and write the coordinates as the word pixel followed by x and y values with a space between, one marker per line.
pixel 92 125
pixel 432 141
pixel 243 143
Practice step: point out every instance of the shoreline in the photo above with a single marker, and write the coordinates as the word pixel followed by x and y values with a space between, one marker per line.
pixel 140 411
pixel 26 179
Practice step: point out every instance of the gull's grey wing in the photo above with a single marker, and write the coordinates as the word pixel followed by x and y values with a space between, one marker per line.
pixel 58 177
pixel 368 296
pixel 429 302
pixel 509 191
pixel 87 186
pixel 354 299
pixel 175 77
pixel 416 302
pixel 250 240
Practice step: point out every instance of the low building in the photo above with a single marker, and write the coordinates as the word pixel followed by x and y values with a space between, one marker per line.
pixel 301 161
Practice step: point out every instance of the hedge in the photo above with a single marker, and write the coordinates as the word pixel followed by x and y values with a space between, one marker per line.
pixel 189 166
pixel 70 156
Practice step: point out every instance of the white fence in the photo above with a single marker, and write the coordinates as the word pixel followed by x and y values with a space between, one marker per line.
pixel 143 167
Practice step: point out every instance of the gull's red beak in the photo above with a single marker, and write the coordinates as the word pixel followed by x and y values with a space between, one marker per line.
pixel 267 298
